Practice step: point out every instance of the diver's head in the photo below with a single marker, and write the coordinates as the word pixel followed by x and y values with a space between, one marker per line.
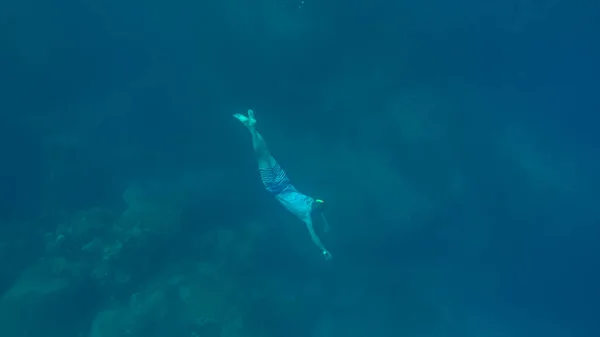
pixel 319 206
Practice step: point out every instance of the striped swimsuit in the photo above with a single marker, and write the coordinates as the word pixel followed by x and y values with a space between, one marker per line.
pixel 278 184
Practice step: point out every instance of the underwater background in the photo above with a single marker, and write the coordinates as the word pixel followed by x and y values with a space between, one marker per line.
pixel 455 141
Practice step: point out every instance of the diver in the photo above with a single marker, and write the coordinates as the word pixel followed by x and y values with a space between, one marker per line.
pixel 276 182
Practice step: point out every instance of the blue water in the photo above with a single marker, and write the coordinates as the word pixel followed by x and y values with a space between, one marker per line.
pixel 455 140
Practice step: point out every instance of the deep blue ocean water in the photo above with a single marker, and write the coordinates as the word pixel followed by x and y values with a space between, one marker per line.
pixel 455 140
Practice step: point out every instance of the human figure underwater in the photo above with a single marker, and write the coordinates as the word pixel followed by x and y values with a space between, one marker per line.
pixel 276 182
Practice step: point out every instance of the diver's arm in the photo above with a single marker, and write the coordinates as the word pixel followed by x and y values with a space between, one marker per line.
pixel 316 240
pixel 326 227
pixel 314 236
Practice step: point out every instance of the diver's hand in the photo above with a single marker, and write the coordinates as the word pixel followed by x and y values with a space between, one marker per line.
pixel 327 255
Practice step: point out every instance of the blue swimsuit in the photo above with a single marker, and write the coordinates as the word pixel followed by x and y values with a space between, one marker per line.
pixel 278 184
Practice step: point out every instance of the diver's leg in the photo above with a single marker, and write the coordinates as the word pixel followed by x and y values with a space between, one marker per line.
pixel 272 175
pixel 263 156
pixel 265 160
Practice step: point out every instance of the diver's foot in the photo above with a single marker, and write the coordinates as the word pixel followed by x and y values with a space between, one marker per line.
pixel 241 118
pixel 249 121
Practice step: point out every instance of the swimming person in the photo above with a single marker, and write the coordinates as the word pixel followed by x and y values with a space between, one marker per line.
pixel 277 183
